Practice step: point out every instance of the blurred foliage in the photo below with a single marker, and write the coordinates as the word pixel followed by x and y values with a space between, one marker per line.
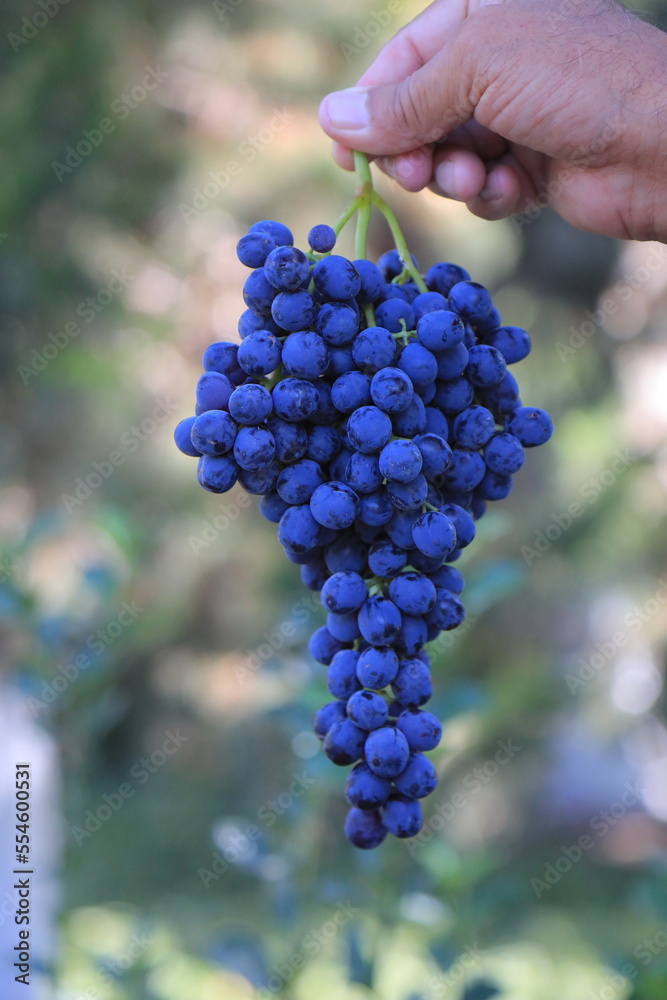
pixel 134 608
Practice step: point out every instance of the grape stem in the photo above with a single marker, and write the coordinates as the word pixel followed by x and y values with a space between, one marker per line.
pixel 365 197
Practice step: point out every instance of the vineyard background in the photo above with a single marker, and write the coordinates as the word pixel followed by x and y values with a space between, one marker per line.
pixel 156 634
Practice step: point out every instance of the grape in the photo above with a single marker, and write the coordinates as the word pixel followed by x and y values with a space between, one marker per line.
pixel 470 300
pixel 322 239
pixel 374 420
pixel 377 667
pixel 373 349
pixel 217 473
pixel 223 357
pixel 418 779
pixel 512 341
pixel 504 454
pixel 442 277
pixel 324 443
pixel 363 788
pixel 344 743
pixel 297 483
pixel 434 534
pixel 213 391
pixel 328 716
pixel 336 323
pixel 295 399
pixel 305 355
pixel 342 672
pixel 412 684
pixel 530 425
pixel 250 404
pixel 427 302
pixel 372 281
pixel 287 269
pixel 402 817
pixel 486 366
pixel 279 232
pixel 298 531
pixel 408 496
pixel 334 505
pixel 344 592
pixel 362 472
pixel 183 437
pixel 254 448
pixel 387 751
pixel 400 461
pixel 350 391
pixel 419 365
pixel 364 828
pixel 369 429
pixel 395 315
pixel 386 559
pixel 422 731
pixel 293 311
pixel 473 427
pixel 412 593
pixel 258 292
pixel 253 248
pixel 336 278
pixel 259 353
pixel 392 390
pixel 367 710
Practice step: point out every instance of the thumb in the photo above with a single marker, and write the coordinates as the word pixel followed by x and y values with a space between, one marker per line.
pixel 395 118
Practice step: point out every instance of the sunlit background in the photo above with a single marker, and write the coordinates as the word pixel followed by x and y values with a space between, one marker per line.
pixel 187 831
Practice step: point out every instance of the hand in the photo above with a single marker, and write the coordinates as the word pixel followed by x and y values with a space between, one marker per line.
pixel 507 105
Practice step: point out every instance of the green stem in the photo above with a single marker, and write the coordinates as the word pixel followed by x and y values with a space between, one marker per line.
pixel 361 238
pixel 364 175
pixel 347 215
pixel 369 313
pixel 399 240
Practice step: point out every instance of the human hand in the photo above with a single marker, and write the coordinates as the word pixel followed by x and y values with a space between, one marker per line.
pixel 498 103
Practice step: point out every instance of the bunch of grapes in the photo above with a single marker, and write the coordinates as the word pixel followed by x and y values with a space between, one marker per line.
pixel 372 410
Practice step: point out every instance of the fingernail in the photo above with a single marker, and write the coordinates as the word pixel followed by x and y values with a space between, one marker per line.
pixel 348 109
pixel 491 190
pixel 406 164
pixel 445 177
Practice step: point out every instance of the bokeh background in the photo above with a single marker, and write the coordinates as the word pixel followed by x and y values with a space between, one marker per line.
pixel 187 832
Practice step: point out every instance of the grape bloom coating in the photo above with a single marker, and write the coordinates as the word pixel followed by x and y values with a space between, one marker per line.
pixel 372 410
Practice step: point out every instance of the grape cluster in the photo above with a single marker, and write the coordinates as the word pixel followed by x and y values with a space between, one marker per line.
pixel 373 411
